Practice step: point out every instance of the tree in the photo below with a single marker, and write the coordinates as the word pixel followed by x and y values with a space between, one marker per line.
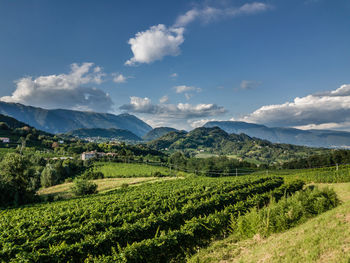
pixel 83 187
pixel 49 176
pixel 16 180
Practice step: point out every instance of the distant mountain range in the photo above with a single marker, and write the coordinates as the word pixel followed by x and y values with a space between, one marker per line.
pixel 216 141
pixel 313 138
pixel 119 134
pixel 157 132
pixel 62 121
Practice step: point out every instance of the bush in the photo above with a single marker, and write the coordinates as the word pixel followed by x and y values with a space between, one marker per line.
pixel 157 174
pixel 83 187
pixel 91 175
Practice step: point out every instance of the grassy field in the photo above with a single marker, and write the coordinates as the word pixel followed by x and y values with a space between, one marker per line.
pixel 103 185
pixel 325 238
pixel 129 169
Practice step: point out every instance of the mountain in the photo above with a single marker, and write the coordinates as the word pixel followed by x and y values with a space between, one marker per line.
pixel 62 121
pixel 313 138
pixel 122 135
pixel 157 132
pixel 11 123
pixel 217 141
pixel 15 130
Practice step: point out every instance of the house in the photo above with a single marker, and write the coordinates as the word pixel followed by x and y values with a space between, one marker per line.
pixel 88 155
pixel 4 139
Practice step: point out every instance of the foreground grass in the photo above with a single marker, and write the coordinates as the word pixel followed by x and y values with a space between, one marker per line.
pixel 325 238
pixel 103 185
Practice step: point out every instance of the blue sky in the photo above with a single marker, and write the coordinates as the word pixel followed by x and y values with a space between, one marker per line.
pixel 181 63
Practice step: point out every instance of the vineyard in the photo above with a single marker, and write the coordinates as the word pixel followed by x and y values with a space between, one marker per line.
pixel 110 169
pixel 333 174
pixel 157 222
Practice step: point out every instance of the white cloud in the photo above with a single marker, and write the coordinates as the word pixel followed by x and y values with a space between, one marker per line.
pixel 184 88
pixel 174 75
pixel 249 84
pixel 178 111
pixel 119 78
pixel 207 14
pixel 155 43
pixel 199 123
pixel 159 41
pixel 164 99
pixel 327 109
pixel 70 91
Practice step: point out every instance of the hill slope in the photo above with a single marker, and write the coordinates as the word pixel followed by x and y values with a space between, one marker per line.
pixel 321 239
pixel 119 134
pixel 62 121
pixel 14 130
pixel 216 141
pixel 157 132
pixel 314 138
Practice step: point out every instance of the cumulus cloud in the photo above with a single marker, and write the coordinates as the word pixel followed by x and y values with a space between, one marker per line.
pixel 119 78
pixel 70 91
pixel 186 89
pixel 155 43
pixel 324 110
pixel 199 123
pixel 249 84
pixel 164 99
pixel 159 40
pixel 208 13
pixel 178 111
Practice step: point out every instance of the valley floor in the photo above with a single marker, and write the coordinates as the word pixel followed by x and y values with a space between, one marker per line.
pixel 325 238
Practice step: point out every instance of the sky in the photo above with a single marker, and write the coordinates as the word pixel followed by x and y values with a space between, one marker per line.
pixel 180 63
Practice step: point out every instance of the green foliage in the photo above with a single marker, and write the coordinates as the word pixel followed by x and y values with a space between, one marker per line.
pixel 156 222
pixel 91 175
pixel 285 214
pixel 216 141
pixel 16 180
pixel 320 160
pixel 83 187
pixel 49 176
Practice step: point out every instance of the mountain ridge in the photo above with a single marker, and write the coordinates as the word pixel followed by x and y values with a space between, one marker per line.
pixel 215 140
pixel 63 120
pixel 311 138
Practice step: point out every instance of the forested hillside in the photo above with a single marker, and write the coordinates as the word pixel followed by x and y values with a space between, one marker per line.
pixel 216 141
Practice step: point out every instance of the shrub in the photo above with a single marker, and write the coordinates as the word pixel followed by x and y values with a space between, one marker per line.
pixel 124 185
pixel 91 175
pixel 83 187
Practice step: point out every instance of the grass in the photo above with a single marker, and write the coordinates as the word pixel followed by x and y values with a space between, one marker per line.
pixel 129 169
pixel 325 238
pixel 103 185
